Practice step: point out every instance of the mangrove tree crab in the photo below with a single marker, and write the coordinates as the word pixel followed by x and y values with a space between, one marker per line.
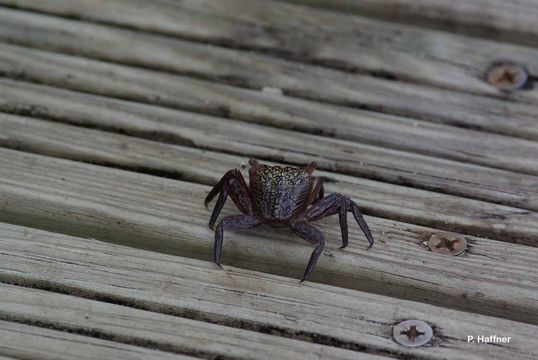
pixel 281 196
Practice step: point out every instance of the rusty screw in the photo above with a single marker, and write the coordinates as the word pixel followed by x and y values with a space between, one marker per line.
pixel 447 244
pixel 507 76
pixel 412 333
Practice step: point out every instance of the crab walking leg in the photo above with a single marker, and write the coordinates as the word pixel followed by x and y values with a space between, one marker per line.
pixel 339 204
pixel 223 195
pixel 313 236
pixel 231 222
pixel 233 184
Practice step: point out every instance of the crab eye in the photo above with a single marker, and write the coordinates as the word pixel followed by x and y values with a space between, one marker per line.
pixel 254 166
pixel 311 167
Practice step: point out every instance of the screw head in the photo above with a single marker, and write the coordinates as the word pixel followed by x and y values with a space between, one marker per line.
pixel 447 244
pixel 412 333
pixel 507 76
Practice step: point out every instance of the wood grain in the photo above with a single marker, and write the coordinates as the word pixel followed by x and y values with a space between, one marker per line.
pixel 168 216
pixel 513 21
pixel 29 342
pixel 463 145
pixel 421 207
pixel 359 127
pixel 315 36
pixel 115 117
pixel 235 297
pixel 244 69
pixel 164 332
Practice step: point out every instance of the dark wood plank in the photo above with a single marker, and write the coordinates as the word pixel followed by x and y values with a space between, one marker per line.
pixel 511 21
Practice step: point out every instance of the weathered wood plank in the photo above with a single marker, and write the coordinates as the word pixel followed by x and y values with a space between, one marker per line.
pixel 513 21
pixel 236 297
pixel 246 69
pixel 168 216
pixel 358 126
pixel 312 35
pixel 187 128
pixel 367 127
pixel 375 162
pixel 28 342
pixel 174 334
pixel 443 212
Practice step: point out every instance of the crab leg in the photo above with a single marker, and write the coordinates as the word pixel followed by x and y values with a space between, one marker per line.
pixel 313 236
pixel 233 184
pixel 231 222
pixel 339 204
pixel 223 195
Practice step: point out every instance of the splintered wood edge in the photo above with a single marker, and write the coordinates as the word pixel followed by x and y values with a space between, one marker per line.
pixel 234 297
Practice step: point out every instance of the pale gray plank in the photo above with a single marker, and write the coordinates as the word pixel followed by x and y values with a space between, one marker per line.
pixel 175 334
pixel 421 207
pixel 244 298
pixel 311 35
pixel 169 216
pixel 29 342
pixel 246 69
pixel 352 158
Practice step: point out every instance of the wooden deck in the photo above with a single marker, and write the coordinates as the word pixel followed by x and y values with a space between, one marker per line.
pixel 117 116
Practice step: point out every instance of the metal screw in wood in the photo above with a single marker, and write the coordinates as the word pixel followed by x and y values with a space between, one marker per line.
pixel 507 76
pixel 447 244
pixel 412 333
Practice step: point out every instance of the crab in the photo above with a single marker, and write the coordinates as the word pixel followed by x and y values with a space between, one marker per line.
pixel 281 196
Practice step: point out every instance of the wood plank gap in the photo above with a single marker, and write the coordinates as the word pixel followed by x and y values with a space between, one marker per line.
pixel 232 80
pixel 36 343
pixel 506 21
pixel 338 40
pixel 107 336
pixel 381 131
pixel 265 346
pixel 157 159
pixel 206 62
pixel 242 104
pixel 192 130
pixel 168 283
pixel 167 216
pixel 14 143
